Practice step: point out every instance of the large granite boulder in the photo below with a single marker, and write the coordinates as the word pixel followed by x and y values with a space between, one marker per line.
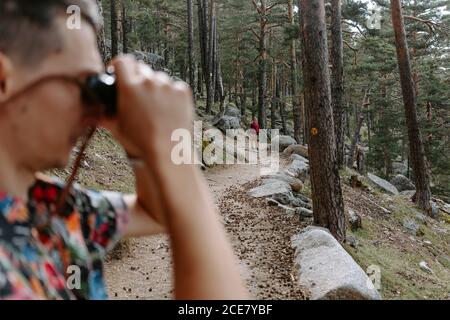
pixel 400 168
pixel 269 189
pixel 296 149
pixel 228 122
pixel 296 184
pixel 298 169
pixel 327 271
pixel 402 183
pixel 232 111
pixel 284 142
pixel 383 184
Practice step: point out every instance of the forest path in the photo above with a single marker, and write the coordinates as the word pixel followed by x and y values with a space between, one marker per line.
pixel 260 236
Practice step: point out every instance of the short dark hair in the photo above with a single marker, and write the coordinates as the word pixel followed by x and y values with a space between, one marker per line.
pixel 27 32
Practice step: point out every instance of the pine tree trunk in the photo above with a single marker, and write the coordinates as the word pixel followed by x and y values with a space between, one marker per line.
pixel 281 104
pixel 204 44
pixel 220 90
pixel 199 80
pixel 114 30
pixel 262 85
pixel 125 29
pixel 101 33
pixel 211 53
pixel 255 97
pixel 273 105
pixel 296 108
pixel 357 133
pixel 325 181
pixel 243 102
pixel 190 23
pixel 417 154
pixel 304 117
pixel 337 86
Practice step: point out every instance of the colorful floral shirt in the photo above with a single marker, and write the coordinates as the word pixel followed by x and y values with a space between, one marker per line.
pixel 48 255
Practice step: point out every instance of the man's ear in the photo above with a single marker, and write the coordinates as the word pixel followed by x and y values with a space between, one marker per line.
pixel 5 73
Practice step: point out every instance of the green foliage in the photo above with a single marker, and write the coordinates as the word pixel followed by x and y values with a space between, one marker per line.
pixel 160 27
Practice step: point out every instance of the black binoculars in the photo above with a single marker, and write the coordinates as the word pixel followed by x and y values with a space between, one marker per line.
pixel 103 88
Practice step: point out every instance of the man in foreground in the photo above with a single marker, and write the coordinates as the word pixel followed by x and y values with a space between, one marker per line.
pixel 43 113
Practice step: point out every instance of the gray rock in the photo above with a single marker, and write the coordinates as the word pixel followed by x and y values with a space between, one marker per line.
pixel 269 180
pixel 352 241
pixel 232 111
pixel 303 198
pixel 227 123
pixel 447 207
pixel 327 271
pixel 295 156
pixel 298 169
pixel 284 142
pixel 296 184
pixel 400 168
pixel 272 202
pixel 421 217
pixel 289 199
pixel 304 213
pixel 286 198
pixel 402 183
pixel 354 220
pixel 424 266
pixel 383 184
pixel 289 210
pixel 412 227
pixel 269 189
pixel 408 193
pixel 434 210
pixel 296 149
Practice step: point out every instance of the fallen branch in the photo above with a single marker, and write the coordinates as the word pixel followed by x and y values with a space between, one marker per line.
pixel 377 205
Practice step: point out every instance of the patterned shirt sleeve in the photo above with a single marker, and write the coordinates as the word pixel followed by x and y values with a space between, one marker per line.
pixel 104 217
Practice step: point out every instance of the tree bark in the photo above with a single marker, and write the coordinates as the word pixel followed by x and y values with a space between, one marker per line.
pixel 417 154
pixel 204 45
pixel 337 86
pixel 199 80
pixel 190 23
pixel 281 104
pixel 220 90
pixel 357 133
pixel 304 117
pixel 125 27
pixel 211 54
pixel 325 181
pixel 273 105
pixel 101 33
pixel 262 72
pixel 114 30
pixel 296 107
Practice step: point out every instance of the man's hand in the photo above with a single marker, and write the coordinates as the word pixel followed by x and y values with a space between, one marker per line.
pixel 150 107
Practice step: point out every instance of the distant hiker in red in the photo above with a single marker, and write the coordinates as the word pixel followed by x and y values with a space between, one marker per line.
pixel 255 125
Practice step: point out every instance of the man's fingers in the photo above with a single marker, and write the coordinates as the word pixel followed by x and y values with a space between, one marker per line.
pixel 125 69
pixel 144 70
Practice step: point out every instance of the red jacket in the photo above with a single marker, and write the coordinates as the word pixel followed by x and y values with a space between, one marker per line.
pixel 255 126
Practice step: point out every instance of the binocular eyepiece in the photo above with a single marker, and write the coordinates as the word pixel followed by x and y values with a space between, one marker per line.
pixel 103 88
